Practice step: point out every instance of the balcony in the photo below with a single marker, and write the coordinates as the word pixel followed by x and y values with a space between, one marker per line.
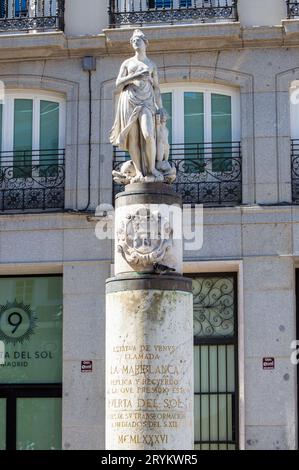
pixel 295 170
pixel 292 9
pixel 32 180
pixel 141 12
pixel 31 15
pixel 209 174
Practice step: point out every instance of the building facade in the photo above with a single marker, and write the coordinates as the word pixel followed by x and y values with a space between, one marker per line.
pixel 229 76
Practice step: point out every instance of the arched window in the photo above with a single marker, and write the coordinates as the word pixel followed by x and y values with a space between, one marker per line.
pixel 32 141
pixel 204 121
pixel 32 126
pixel 202 113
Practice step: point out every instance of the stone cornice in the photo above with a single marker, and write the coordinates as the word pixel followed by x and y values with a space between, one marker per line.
pixel 163 38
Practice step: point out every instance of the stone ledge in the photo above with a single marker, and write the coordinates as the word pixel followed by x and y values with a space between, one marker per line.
pixel 291 32
pixel 162 38
pixel 48 44
pixel 259 36
pixel 165 37
pixel 30 44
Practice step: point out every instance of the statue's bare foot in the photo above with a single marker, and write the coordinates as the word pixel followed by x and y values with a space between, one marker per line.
pixel 138 178
pixel 157 175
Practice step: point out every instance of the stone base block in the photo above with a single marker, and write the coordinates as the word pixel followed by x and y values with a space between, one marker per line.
pixel 149 363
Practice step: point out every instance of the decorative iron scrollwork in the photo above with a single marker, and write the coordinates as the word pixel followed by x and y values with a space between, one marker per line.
pixel 43 16
pixel 32 184
pixel 293 9
pixel 295 170
pixel 213 300
pixel 206 173
pixel 134 12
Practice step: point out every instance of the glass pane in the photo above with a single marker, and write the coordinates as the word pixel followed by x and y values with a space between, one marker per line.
pixel 214 306
pixel 197 369
pixel 2 8
pixel 221 132
pixel 23 114
pixel 160 3
pixel 167 104
pixel 49 137
pixel 193 117
pixel 39 423
pixel 185 3
pixel 222 372
pixel 214 364
pixel 194 131
pixel 31 328
pixel 21 7
pixel 49 125
pixel 2 424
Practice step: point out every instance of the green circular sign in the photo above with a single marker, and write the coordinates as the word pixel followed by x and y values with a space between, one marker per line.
pixel 17 322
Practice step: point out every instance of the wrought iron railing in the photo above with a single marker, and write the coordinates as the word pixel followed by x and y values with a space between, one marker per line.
pixel 140 12
pixel 209 173
pixel 292 9
pixel 295 170
pixel 32 180
pixel 27 15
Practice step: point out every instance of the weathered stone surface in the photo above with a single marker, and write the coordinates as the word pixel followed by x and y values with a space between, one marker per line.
pixel 149 370
pixel 147 228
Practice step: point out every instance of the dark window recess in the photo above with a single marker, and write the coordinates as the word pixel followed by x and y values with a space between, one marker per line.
pixel 215 361
pixel 12 393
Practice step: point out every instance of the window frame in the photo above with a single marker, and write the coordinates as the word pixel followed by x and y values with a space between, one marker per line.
pixel 234 340
pixel 8 119
pixel 178 90
pixel 12 391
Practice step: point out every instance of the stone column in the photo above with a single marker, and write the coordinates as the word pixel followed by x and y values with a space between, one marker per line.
pixel 149 326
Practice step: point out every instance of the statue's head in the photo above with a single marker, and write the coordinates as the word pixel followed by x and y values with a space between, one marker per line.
pixel 138 40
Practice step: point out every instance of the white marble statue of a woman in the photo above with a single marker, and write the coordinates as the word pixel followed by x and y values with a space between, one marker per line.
pixel 134 129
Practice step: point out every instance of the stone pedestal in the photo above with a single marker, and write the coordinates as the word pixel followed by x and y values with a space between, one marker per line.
pixel 149 328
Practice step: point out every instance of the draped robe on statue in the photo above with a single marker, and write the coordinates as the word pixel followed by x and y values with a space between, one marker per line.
pixel 133 99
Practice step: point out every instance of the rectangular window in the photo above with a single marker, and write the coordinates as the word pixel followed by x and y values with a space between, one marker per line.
pixel 185 3
pixel 169 4
pixel 167 104
pixel 215 362
pixel 49 132
pixel 39 423
pixel 159 4
pixel 31 328
pixel 193 117
pixel 221 132
pixel 2 424
pixel 21 7
pixel 2 8
pixel 194 130
pixel 31 375
pixel 22 138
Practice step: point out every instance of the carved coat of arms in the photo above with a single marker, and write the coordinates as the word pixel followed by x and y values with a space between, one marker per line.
pixel 144 238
